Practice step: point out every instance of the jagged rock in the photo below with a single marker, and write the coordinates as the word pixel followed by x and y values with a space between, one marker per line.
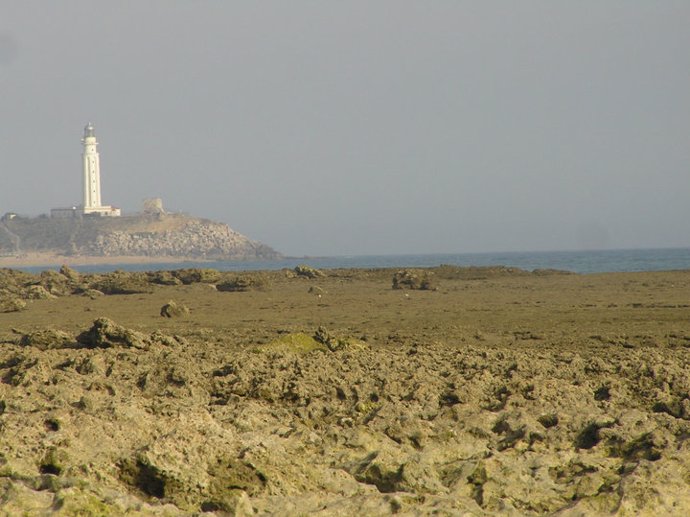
pixel 54 461
pixel 231 472
pixel 38 292
pixel 105 333
pixel 308 271
pixel 334 343
pixel 411 279
pixel 11 280
pixel 55 283
pixel 242 283
pixel 196 275
pixel 162 339
pixel 163 278
pixel 12 305
pixel 92 365
pixel 69 273
pixel 238 284
pixel 174 310
pixel 47 339
pixel 158 477
pixel 548 420
pixel 120 282
pixel 91 293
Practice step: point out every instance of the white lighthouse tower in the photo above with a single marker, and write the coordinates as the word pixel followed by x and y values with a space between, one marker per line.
pixel 92 177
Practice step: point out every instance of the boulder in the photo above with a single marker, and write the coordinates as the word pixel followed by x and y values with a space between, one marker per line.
pixel 55 283
pixel 196 275
pixel 242 283
pixel 48 339
pixel 105 333
pixel 174 310
pixel 38 292
pixel 308 271
pixel 69 273
pixel 12 304
pixel 335 343
pixel 163 278
pixel 238 284
pixel 120 282
pixel 413 279
pixel 91 293
pixel 12 280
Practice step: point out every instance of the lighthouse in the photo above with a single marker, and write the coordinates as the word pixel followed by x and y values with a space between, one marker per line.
pixel 92 177
pixel 92 171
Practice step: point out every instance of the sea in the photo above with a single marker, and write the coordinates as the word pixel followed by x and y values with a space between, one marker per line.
pixel 598 261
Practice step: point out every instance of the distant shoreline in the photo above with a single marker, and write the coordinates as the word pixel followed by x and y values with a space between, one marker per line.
pixel 604 261
pixel 50 260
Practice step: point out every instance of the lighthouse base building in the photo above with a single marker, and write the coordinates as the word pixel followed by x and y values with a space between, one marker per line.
pixel 110 211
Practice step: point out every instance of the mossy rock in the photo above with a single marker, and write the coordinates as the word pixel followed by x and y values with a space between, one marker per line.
pixel 242 283
pixel 54 461
pixel 140 474
pixel 163 278
pixel 120 282
pixel 335 343
pixel 243 477
pixel 74 501
pixel 197 275
pixel 154 478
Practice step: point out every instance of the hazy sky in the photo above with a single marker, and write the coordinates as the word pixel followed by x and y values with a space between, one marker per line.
pixel 360 127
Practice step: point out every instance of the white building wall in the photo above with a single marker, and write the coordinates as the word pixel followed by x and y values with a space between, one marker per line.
pixel 92 174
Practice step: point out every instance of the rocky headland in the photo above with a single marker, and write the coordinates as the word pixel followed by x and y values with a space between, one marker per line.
pixel 141 235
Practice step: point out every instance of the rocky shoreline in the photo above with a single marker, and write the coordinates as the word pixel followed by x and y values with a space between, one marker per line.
pixel 143 235
pixel 447 391
pixel 55 260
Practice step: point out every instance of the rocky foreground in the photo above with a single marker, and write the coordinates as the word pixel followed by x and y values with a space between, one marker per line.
pixel 458 392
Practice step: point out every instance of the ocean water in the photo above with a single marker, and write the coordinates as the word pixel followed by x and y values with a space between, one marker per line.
pixel 576 261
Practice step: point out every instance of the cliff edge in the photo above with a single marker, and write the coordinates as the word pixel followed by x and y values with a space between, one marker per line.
pixel 140 235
